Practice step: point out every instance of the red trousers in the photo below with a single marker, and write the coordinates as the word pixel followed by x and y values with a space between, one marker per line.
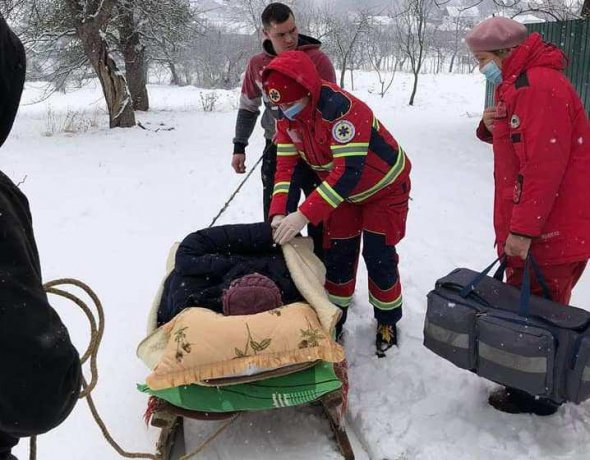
pixel 380 222
pixel 560 279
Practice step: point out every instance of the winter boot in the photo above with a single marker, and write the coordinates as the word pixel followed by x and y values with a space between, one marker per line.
pixel 513 401
pixel 386 338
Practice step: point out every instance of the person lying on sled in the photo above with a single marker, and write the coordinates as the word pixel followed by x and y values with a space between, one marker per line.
pixel 40 376
pixel 541 140
pixel 210 261
pixel 365 188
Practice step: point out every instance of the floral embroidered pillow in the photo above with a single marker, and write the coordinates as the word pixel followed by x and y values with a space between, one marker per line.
pixel 203 347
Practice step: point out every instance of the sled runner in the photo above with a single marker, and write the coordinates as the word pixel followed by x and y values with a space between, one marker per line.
pixel 169 419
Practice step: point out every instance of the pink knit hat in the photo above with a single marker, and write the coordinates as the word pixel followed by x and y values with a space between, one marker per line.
pixel 496 33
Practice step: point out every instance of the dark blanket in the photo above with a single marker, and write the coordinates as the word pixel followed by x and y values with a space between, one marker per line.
pixel 208 260
pixel 40 375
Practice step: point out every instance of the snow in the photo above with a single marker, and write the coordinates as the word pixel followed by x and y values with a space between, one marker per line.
pixel 108 204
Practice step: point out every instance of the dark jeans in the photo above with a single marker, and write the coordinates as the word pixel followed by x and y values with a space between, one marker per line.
pixel 307 180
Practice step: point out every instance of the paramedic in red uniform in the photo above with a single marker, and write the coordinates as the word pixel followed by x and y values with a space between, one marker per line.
pixel 541 140
pixel 364 190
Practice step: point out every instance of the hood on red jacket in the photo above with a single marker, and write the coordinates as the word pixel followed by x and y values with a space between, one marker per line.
pixel 533 52
pixel 298 66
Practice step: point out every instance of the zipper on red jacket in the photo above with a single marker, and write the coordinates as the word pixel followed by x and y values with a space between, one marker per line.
pixel 311 154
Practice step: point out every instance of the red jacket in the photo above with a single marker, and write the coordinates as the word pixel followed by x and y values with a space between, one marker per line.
pixel 340 138
pixel 541 140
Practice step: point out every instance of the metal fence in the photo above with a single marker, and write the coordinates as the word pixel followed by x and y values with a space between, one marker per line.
pixel 573 37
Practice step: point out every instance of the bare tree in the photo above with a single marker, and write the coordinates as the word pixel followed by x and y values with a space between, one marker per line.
pixel 344 37
pixel 412 35
pixel 380 49
pixel 150 29
pixel 90 19
pixel 133 51
pixel 460 24
pixel 11 8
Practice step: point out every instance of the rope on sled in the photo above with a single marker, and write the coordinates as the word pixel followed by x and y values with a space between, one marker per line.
pixel 96 333
pixel 236 191
pixel 211 438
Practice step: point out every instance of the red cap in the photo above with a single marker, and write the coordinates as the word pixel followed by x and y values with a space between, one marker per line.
pixel 282 89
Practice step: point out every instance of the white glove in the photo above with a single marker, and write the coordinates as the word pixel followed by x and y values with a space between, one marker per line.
pixel 289 227
pixel 276 220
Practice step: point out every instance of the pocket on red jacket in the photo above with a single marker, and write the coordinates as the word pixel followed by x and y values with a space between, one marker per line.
pixel 397 206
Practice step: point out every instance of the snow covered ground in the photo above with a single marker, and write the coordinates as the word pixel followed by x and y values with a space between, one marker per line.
pixel 107 205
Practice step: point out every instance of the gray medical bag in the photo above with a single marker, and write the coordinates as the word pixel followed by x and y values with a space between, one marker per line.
pixel 506 335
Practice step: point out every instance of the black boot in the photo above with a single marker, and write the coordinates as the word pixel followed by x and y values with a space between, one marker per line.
pixel 513 401
pixel 386 338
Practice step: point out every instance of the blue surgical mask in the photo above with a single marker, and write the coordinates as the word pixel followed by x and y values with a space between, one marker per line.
pixel 294 110
pixel 492 72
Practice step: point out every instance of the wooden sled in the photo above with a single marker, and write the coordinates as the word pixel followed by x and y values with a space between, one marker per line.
pixel 170 418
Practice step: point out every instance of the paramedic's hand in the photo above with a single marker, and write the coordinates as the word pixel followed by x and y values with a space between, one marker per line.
pixel 289 227
pixel 238 162
pixel 276 220
pixel 517 246
pixel 489 115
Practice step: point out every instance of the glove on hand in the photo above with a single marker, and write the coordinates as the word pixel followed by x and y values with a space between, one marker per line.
pixel 289 227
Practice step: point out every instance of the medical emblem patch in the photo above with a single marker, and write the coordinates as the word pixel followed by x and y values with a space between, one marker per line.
pixel 343 131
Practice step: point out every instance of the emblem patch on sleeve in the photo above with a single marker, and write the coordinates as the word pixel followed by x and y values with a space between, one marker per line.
pixel 274 95
pixel 343 131
pixel 514 121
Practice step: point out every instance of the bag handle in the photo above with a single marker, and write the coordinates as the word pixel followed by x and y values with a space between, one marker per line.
pixel 469 287
pixel 525 288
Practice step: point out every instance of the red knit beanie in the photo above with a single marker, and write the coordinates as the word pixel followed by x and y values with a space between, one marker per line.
pixel 496 33
pixel 282 89
pixel 251 294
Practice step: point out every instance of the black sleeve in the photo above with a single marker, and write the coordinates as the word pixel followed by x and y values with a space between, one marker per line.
pixel 40 381
pixel 245 124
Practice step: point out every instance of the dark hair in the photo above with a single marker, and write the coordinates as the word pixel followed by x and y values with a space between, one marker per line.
pixel 275 12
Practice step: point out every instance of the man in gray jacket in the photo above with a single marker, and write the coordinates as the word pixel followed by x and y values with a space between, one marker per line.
pixel 281 35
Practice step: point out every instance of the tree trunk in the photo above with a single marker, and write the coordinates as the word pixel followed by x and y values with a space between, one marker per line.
pixel 114 86
pixel 351 78
pixel 452 62
pixel 414 88
pixel 135 62
pixel 342 74
pixel 174 79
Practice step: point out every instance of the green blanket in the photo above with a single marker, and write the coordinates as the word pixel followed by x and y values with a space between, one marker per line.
pixel 290 390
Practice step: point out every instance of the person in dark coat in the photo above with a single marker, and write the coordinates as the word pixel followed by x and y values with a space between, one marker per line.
pixel 207 261
pixel 40 376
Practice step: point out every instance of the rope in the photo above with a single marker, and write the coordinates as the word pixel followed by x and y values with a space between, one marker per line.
pixel 237 190
pixel 210 439
pixel 96 333
pixel 91 353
